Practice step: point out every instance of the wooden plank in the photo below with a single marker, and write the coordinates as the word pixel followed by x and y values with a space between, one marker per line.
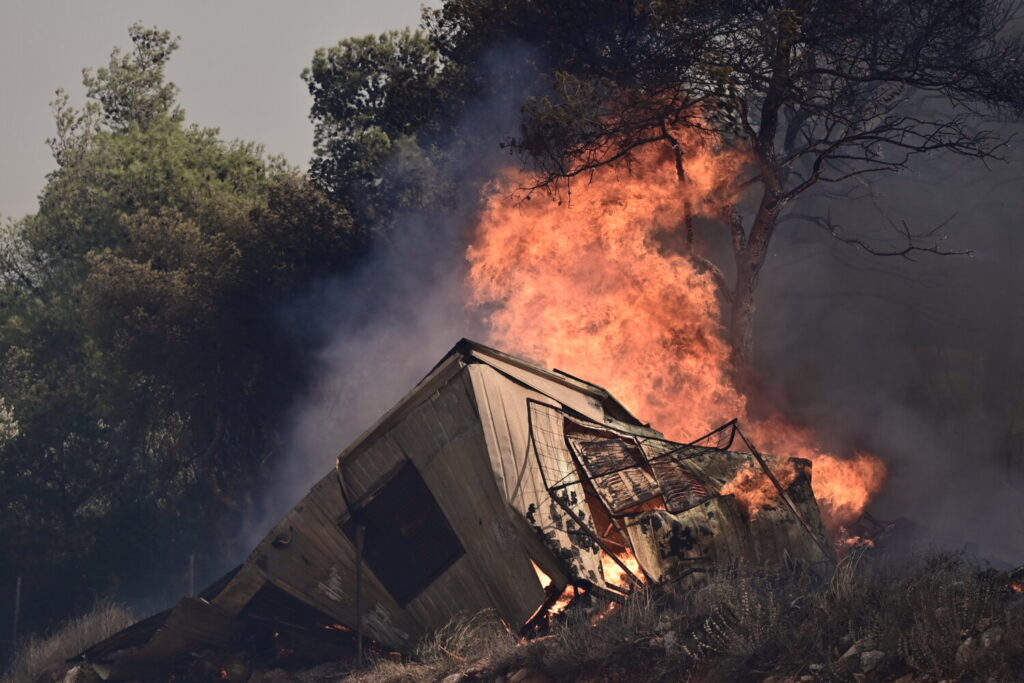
pixel 461 479
pixel 584 403
pixel 239 591
pixel 315 562
pixel 365 470
pixel 492 574
pixel 192 623
pixel 574 546
pixel 540 378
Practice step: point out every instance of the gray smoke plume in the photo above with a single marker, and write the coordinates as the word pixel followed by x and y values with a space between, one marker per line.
pixel 916 360
pixel 396 316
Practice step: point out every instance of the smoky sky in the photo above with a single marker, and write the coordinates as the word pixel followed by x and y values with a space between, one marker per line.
pixel 916 360
pixel 388 323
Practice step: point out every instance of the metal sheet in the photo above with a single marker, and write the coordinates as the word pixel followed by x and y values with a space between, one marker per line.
pixel 614 466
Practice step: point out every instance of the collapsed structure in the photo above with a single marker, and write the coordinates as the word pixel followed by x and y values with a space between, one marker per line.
pixel 494 484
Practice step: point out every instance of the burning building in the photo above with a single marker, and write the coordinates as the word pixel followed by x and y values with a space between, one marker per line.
pixel 494 484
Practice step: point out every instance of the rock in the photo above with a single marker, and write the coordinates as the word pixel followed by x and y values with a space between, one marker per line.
pixel 526 676
pixel 862 645
pixel 664 624
pixel 870 660
pixel 846 664
pixel 966 651
pixel 992 637
pixel 670 641
pixel 81 673
pixel 851 659
pixel 915 677
pixel 455 678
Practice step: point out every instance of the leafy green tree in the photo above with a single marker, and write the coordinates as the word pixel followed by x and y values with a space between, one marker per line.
pixel 131 90
pixel 143 372
pixel 380 101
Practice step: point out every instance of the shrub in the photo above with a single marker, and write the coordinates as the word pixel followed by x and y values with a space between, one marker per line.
pixel 42 658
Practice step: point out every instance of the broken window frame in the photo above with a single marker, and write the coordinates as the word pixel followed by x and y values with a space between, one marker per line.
pixel 398 561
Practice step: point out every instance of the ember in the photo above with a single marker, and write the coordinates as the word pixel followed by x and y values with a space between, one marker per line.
pixel 848 542
pixel 601 286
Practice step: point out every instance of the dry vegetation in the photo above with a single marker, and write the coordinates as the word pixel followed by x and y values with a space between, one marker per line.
pixel 40 659
pixel 938 619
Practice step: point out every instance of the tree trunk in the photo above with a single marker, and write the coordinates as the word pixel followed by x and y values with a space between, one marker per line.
pixel 741 332
pixel 749 261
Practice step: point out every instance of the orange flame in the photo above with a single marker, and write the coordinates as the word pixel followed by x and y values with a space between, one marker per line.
pixel 754 490
pixel 614 574
pixel 600 287
pixel 569 593
pixel 848 542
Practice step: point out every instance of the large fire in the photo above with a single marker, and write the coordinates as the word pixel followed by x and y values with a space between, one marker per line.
pixel 599 285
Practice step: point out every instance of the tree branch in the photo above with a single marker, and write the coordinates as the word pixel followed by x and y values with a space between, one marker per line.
pixel 911 241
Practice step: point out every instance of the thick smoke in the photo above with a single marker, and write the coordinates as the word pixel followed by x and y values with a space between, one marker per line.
pixel 914 360
pixel 388 323
pixel 917 360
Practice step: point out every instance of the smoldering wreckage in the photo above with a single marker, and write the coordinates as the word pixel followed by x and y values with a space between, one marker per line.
pixel 493 485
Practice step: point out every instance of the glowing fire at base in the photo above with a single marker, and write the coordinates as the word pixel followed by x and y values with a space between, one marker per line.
pixel 754 490
pixel 569 593
pixel 849 541
pixel 600 286
pixel 614 574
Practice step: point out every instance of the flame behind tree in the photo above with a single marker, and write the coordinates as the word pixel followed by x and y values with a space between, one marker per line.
pixel 809 93
pixel 594 287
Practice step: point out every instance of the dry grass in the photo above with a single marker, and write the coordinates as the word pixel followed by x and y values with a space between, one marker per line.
pixel 42 658
pixel 479 641
pixel 940 617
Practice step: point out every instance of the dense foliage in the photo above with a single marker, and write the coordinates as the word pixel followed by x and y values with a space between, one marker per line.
pixel 143 372
pixel 378 106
